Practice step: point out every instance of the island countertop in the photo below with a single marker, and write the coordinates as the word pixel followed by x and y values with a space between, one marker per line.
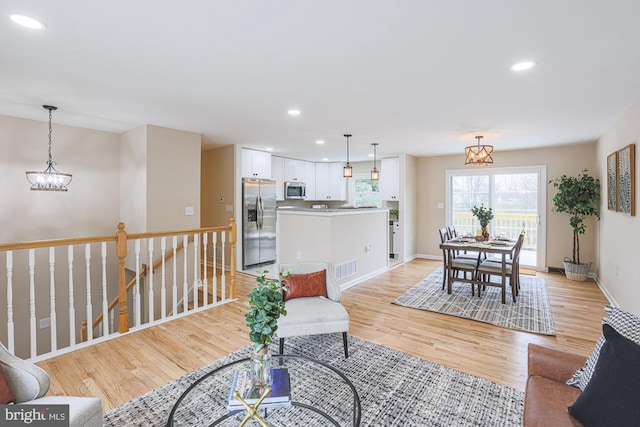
pixel 328 211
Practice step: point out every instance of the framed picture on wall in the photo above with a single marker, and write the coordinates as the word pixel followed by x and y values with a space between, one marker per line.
pixel 612 181
pixel 626 180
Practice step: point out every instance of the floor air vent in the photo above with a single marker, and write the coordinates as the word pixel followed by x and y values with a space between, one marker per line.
pixel 346 269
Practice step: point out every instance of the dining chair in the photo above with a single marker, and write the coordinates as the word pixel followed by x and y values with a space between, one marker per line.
pixel 498 260
pixel 452 234
pixel 487 268
pixel 458 265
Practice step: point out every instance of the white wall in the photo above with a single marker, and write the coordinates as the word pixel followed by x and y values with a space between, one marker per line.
pixel 92 204
pixel 618 245
pixel 133 179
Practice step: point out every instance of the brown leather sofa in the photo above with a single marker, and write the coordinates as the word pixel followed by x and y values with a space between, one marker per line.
pixel 547 396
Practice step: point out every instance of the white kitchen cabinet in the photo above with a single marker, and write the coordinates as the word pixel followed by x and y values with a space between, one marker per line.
pixel 330 184
pixel 310 179
pixel 390 179
pixel 294 170
pixel 277 174
pixel 256 164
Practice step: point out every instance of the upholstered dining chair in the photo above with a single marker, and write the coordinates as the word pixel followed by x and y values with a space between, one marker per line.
pixel 312 303
pixel 491 267
pixel 458 264
pixel 28 383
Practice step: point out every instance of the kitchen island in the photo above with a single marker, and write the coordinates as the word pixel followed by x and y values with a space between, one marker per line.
pixel 354 241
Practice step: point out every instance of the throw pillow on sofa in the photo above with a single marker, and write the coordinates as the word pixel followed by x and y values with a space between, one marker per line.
pixel 612 396
pixel 625 323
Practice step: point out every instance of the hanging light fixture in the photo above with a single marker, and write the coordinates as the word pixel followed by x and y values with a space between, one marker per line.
pixel 50 179
pixel 375 175
pixel 478 155
pixel 347 170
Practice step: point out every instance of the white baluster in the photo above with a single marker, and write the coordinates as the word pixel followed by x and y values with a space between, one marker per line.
pixel 196 250
pixel 150 275
pixel 105 302
pixel 163 290
pixel 52 298
pixel 175 276
pixel 214 275
pixel 87 263
pixel 72 308
pixel 32 301
pixel 223 283
pixel 185 284
pixel 205 282
pixel 137 316
pixel 10 326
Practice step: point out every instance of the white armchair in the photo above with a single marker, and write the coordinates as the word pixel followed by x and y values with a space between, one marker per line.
pixel 29 383
pixel 312 315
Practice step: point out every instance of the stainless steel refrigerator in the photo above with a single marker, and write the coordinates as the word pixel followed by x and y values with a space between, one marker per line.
pixel 258 222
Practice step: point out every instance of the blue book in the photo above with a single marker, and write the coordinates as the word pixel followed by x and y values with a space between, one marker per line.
pixel 280 390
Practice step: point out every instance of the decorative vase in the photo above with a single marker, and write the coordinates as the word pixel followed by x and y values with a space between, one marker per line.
pixel 261 368
pixel 485 233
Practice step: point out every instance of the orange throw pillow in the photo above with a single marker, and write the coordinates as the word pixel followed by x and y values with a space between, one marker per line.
pixel 5 394
pixel 306 285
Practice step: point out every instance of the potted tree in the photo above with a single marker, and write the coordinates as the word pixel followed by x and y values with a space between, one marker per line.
pixel 265 306
pixel 578 196
pixel 484 215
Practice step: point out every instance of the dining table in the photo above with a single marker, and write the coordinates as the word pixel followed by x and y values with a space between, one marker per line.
pixel 503 247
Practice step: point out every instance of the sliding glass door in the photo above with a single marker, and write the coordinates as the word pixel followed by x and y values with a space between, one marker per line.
pixel 517 197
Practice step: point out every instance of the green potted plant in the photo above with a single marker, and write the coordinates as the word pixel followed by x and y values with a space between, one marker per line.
pixel 484 215
pixel 265 306
pixel 578 196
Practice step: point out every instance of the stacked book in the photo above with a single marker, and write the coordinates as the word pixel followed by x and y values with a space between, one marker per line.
pixel 280 390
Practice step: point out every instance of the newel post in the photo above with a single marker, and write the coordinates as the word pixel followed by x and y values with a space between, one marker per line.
pixel 233 237
pixel 121 252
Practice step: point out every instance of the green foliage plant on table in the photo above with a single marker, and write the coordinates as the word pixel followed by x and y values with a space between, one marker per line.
pixel 484 215
pixel 578 196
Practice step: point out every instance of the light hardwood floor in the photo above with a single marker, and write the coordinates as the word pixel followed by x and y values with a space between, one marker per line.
pixel 126 367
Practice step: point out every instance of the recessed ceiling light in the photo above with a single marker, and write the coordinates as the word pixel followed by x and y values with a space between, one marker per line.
pixel 294 112
pixel 521 66
pixel 27 22
pixel 319 141
pixel 370 155
pixel 324 159
pixel 269 148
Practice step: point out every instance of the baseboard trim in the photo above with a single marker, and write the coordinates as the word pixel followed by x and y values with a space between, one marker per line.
pixel 364 278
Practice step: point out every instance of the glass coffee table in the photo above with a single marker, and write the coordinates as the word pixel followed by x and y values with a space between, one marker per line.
pixel 320 395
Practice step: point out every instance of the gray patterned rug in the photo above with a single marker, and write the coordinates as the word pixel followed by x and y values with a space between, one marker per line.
pixel 395 389
pixel 531 312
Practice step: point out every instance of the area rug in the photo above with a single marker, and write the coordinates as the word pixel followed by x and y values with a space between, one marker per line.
pixel 530 313
pixel 395 389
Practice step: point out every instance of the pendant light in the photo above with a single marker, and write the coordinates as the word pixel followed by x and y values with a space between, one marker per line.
pixel 375 175
pixel 49 179
pixel 347 170
pixel 478 155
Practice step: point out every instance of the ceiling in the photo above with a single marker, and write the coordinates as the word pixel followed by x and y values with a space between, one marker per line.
pixel 416 76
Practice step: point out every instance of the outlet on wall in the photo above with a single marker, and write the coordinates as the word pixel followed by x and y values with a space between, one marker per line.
pixel 45 323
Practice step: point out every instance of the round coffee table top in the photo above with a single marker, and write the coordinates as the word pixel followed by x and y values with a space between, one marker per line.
pixel 320 395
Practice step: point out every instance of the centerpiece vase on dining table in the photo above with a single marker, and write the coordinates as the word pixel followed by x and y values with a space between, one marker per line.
pixel 485 233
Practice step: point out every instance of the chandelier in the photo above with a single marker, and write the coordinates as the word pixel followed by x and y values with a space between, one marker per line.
pixel 375 175
pixel 478 155
pixel 347 170
pixel 49 179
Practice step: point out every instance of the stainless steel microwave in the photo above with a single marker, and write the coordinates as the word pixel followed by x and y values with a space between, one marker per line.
pixel 295 190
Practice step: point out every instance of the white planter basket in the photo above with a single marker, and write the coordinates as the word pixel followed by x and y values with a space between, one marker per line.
pixel 578 272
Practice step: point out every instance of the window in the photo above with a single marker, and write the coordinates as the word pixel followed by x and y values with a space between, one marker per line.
pixel 517 197
pixel 366 192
